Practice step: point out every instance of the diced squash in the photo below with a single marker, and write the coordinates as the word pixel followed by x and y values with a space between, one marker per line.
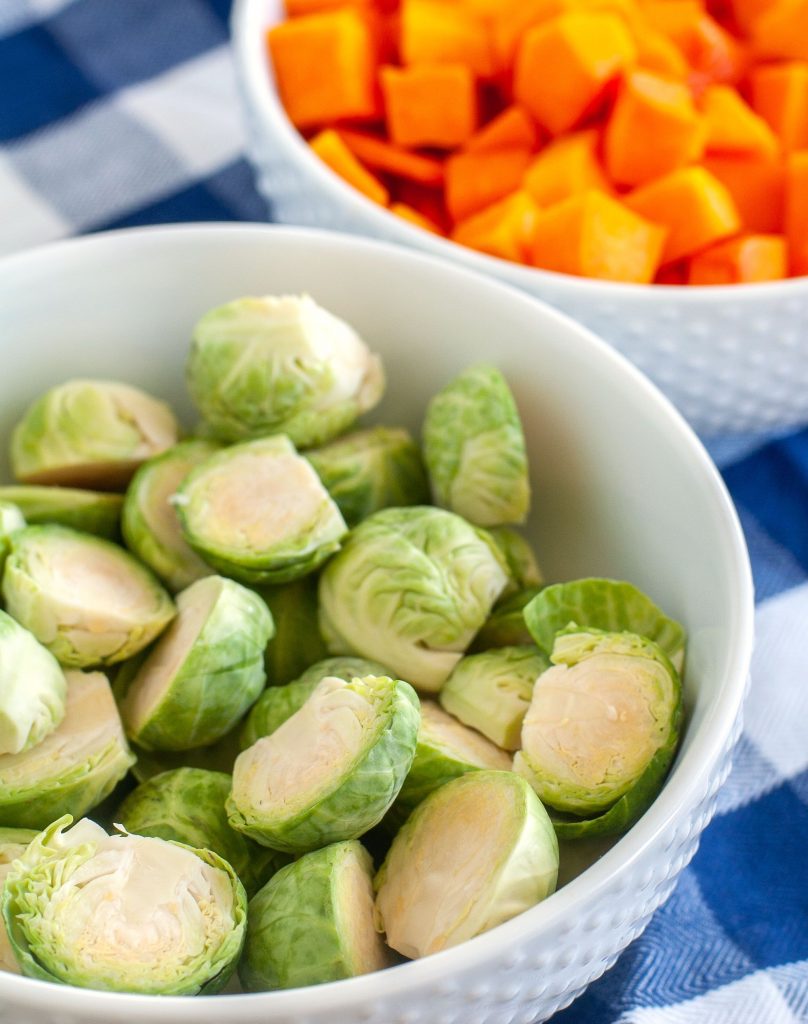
pixel 672 273
pixel 515 18
pixel 746 12
pixel 325 67
pixel 564 66
pixel 653 129
pixel 782 30
pixel 332 151
pixel 512 129
pixel 693 205
pixel 387 157
pixel 655 52
pixel 434 32
pixel 504 229
pixel 756 185
pixel 424 199
pixel 476 180
pixel 567 166
pixel 796 211
pixel 741 260
pixel 780 96
pixel 593 235
pixel 412 215
pixel 433 105
pixel 732 126
pixel 712 53
pixel 299 8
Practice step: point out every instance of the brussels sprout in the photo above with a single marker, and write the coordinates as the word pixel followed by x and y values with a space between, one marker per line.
pixel 277 703
pixel 603 604
pixel 13 842
pixel 410 588
pixel 280 365
pixel 491 691
pixel 124 913
pixel 370 470
pixel 297 640
pixel 89 511
pixel 87 600
pixel 33 691
pixel 607 710
pixel 90 433
pixel 433 894
pixel 523 568
pixel 150 525
pixel 204 672
pixel 75 767
pixel 475 449
pixel 505 626
pixel 313 922
pixel 332 770
pixel 187 805
pixel 258 512
pixel 11 520
pixel 219 756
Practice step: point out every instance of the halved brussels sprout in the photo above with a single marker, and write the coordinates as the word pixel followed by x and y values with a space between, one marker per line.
pixel 87 600
pixel 90 433
pixel 491 691
pixel 610 605
pixel 277 703
pixel 523 568
pixel 219 756
pixel 332 770
pixel 187 805
pixel 277 365
pixel 75 767
pixel 11 520
pixel 477 852
pixel 151 528
pixel 89 511
pixel 124 913
pixel 258 512
pixel 13 842
pixel 606 712
pixel 372 469
pixel 410 588
pixel 297 641
pixel 313 922
pixel 33 691
pixel 475 449
pixel 505 626
pixel 203 674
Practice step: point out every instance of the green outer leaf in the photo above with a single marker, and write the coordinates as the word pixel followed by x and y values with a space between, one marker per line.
pixel 222 965
pixel 95 512
pixel 297 638
pixel 220 676
pixel 11 520
pixel 187 806
pixel 15 837
pixel 505 626
pixel 370 470
pixel 356 801
pixel 523 567
pixel 611 605
pixel 474 449
pixel 295 932
pixel 277 703
pixel 13 842
pixel 158 542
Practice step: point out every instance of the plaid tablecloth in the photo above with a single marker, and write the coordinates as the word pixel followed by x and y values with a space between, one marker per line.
pixel 123 112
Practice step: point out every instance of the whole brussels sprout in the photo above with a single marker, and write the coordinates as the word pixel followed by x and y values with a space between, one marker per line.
pixel 187 806
pixel 90 433
pixel 523 568
pixel 280 365
pixel 475 449
pixel 313 922
pixel 432 895
pixel 33 691
pixel 372 469
pixel 491 691
pixel 89 511
pixel 258 512
pixel 85 599
pixel 297 641
pixel 277 703
pixel 124 913
pixel 74 767
pixel 505 626
pixel 151 528
pixel 203 674
pixel 410 588
pixel 307 785
pixel 603 716
pixel 11 520
pixel 13 842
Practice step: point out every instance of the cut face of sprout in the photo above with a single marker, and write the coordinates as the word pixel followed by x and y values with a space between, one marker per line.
pixel 13 842
pixel 89 511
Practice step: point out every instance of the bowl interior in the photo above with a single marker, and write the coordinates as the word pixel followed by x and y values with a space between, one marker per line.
pixel 621 486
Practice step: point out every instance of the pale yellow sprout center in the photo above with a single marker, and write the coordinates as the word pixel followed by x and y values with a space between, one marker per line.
pixel 355 893
pixel 443 730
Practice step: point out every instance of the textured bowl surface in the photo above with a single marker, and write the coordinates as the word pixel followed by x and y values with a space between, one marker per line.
pixel 732 359
pixel 622 488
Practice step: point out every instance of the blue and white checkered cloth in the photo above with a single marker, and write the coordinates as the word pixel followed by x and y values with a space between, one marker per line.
pixel 123 112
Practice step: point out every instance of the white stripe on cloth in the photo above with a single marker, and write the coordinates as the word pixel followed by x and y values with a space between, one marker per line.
pixel 26 218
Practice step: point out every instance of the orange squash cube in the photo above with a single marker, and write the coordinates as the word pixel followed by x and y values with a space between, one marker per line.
pixel 504 229
pixel 415 217
pixel 330 148
pixel 434 32
pixel 732 126
pixel 567 166
pixel 757 187
pixel 512 129
pixel 476 180
pixel 434 105
pixel 741 261
pixel 796 212
pixel 782 30
pixel 780 96
pixel 391 159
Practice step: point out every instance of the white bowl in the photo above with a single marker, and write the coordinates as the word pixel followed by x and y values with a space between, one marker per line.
pixel 623 488
pixel 733 359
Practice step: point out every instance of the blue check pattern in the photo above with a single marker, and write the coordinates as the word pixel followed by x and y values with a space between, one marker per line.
pixel 123 112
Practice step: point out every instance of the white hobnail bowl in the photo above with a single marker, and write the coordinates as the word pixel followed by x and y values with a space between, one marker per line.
pixel 622 488
pixel 733 359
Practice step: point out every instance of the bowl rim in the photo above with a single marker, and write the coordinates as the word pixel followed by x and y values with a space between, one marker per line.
pixel 253 65
pixel 688 777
